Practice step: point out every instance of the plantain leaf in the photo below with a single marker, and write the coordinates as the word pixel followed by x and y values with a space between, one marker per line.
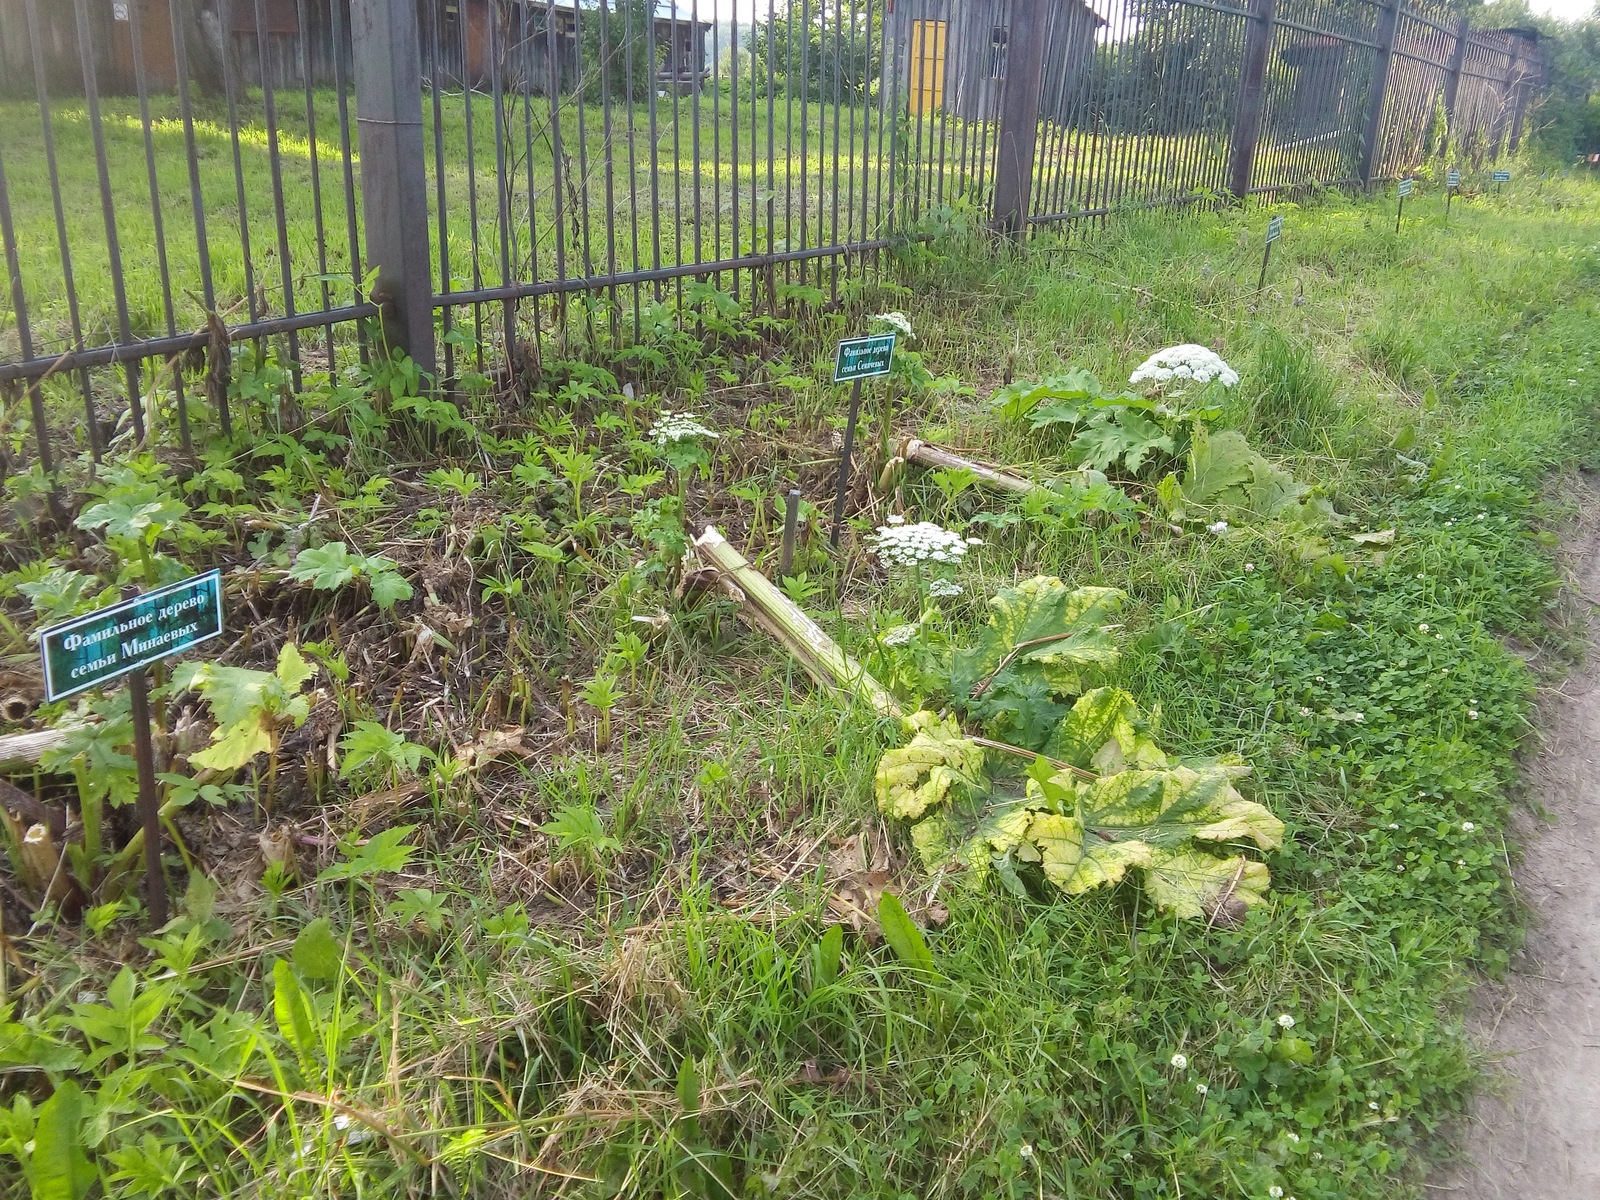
pixel 293 1014
pixel 903 936
pixel 1193 884
pixel 829 951
pixel 917 777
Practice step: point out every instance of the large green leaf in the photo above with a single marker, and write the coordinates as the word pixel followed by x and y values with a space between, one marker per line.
pixel 1166 808
pixel 917 777
pixel 1077 858
pixel 903 936
pixel 251 707
pixel 1217 462
pixel 1040 639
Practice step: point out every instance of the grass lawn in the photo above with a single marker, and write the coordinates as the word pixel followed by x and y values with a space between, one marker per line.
pixel 528 881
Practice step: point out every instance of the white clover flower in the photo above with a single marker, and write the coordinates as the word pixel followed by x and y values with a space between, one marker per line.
pixel 1275 1192
pixel 1467 827
pixel 1026 1150
pixel 1373 1105
pixel 1423 626
pixel 679 427
pixel 1293 1137
pixel 1180 1062
pixel 910 545
pixel 1361 718
pixel 1285 1021
pixel 944 589
pixel 1461 862
pixel 1248 567
pixel 1184 363
pixel 1304 711
pixel 1472 714
pixel 1394 824
pixel 1218 527
pixel 900 635
pixel 1201 1089
pixel 897 321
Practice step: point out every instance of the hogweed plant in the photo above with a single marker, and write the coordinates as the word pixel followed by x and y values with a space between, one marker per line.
pixel 681 440
pixel 926 554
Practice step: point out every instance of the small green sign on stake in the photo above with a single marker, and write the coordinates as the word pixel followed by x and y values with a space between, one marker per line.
pixel 1499 177
pixel 1274 232
pixel 1405 189
pixel 1452 179
pixel 124 639
pixel 1452 184
pixel 856 359
pixel 95 649
pixel 863 357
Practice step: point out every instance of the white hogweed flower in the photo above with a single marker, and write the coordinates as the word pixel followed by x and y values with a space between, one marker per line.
pixel 679 427
pixel 944 589
pixel 913 545
pixel 897 321
pixel 900 635
pixel 1183 364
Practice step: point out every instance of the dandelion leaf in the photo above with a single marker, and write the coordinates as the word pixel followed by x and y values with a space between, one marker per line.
pixel 1105 733
pixel 921 775
pixel 1193 884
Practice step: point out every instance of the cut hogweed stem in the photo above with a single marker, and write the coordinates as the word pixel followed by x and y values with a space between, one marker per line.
pixel 817 653
pixel 916 451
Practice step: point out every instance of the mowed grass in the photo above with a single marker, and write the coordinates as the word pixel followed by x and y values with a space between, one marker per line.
pixel 651 1011
pixel 688 178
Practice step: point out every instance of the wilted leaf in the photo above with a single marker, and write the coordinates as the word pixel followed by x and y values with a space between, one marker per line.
pixel 1378 537
pixel 1193 884
pixel 1076 859
pixel 916 777
pixel 1105 733
pixel 1040 637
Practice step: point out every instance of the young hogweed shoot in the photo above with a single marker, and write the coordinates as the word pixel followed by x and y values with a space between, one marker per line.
pixel 601 694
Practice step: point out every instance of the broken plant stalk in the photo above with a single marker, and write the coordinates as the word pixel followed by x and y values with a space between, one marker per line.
pixel 913 450
pixel 785 620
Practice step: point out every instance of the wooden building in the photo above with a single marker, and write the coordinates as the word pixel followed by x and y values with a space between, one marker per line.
pixel 951 55
pixel 285 41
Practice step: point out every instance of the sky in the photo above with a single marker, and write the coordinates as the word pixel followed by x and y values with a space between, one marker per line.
pixel 1563 10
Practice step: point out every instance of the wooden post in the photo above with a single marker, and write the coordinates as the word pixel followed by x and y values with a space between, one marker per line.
pixel 1252 96
pixel 791 519
pixel 1019 116
pixel 1383 56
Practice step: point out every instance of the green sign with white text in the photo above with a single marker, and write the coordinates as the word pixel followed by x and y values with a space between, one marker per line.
pixel 863 357
pixel 87 651
pixel 1502 177
pixel 1405 187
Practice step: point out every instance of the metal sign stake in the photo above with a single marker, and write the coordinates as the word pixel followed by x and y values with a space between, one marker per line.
pixel 856 359
pixel 144 757
pixel 843 485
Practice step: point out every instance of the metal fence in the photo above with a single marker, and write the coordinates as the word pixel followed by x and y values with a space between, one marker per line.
pixel 177 176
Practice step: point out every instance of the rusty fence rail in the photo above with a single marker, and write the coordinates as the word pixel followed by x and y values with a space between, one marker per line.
pixel 183 181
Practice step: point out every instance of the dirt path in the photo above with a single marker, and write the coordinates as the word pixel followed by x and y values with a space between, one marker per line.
pixel 1539 1139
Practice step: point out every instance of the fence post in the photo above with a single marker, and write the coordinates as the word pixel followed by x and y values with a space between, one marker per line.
pixel 1523 86
pixel 394 197
pixel 1497 123
pixel 1019 116
pixel 1452 79
pixel 1388 21
pixel 1252 96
